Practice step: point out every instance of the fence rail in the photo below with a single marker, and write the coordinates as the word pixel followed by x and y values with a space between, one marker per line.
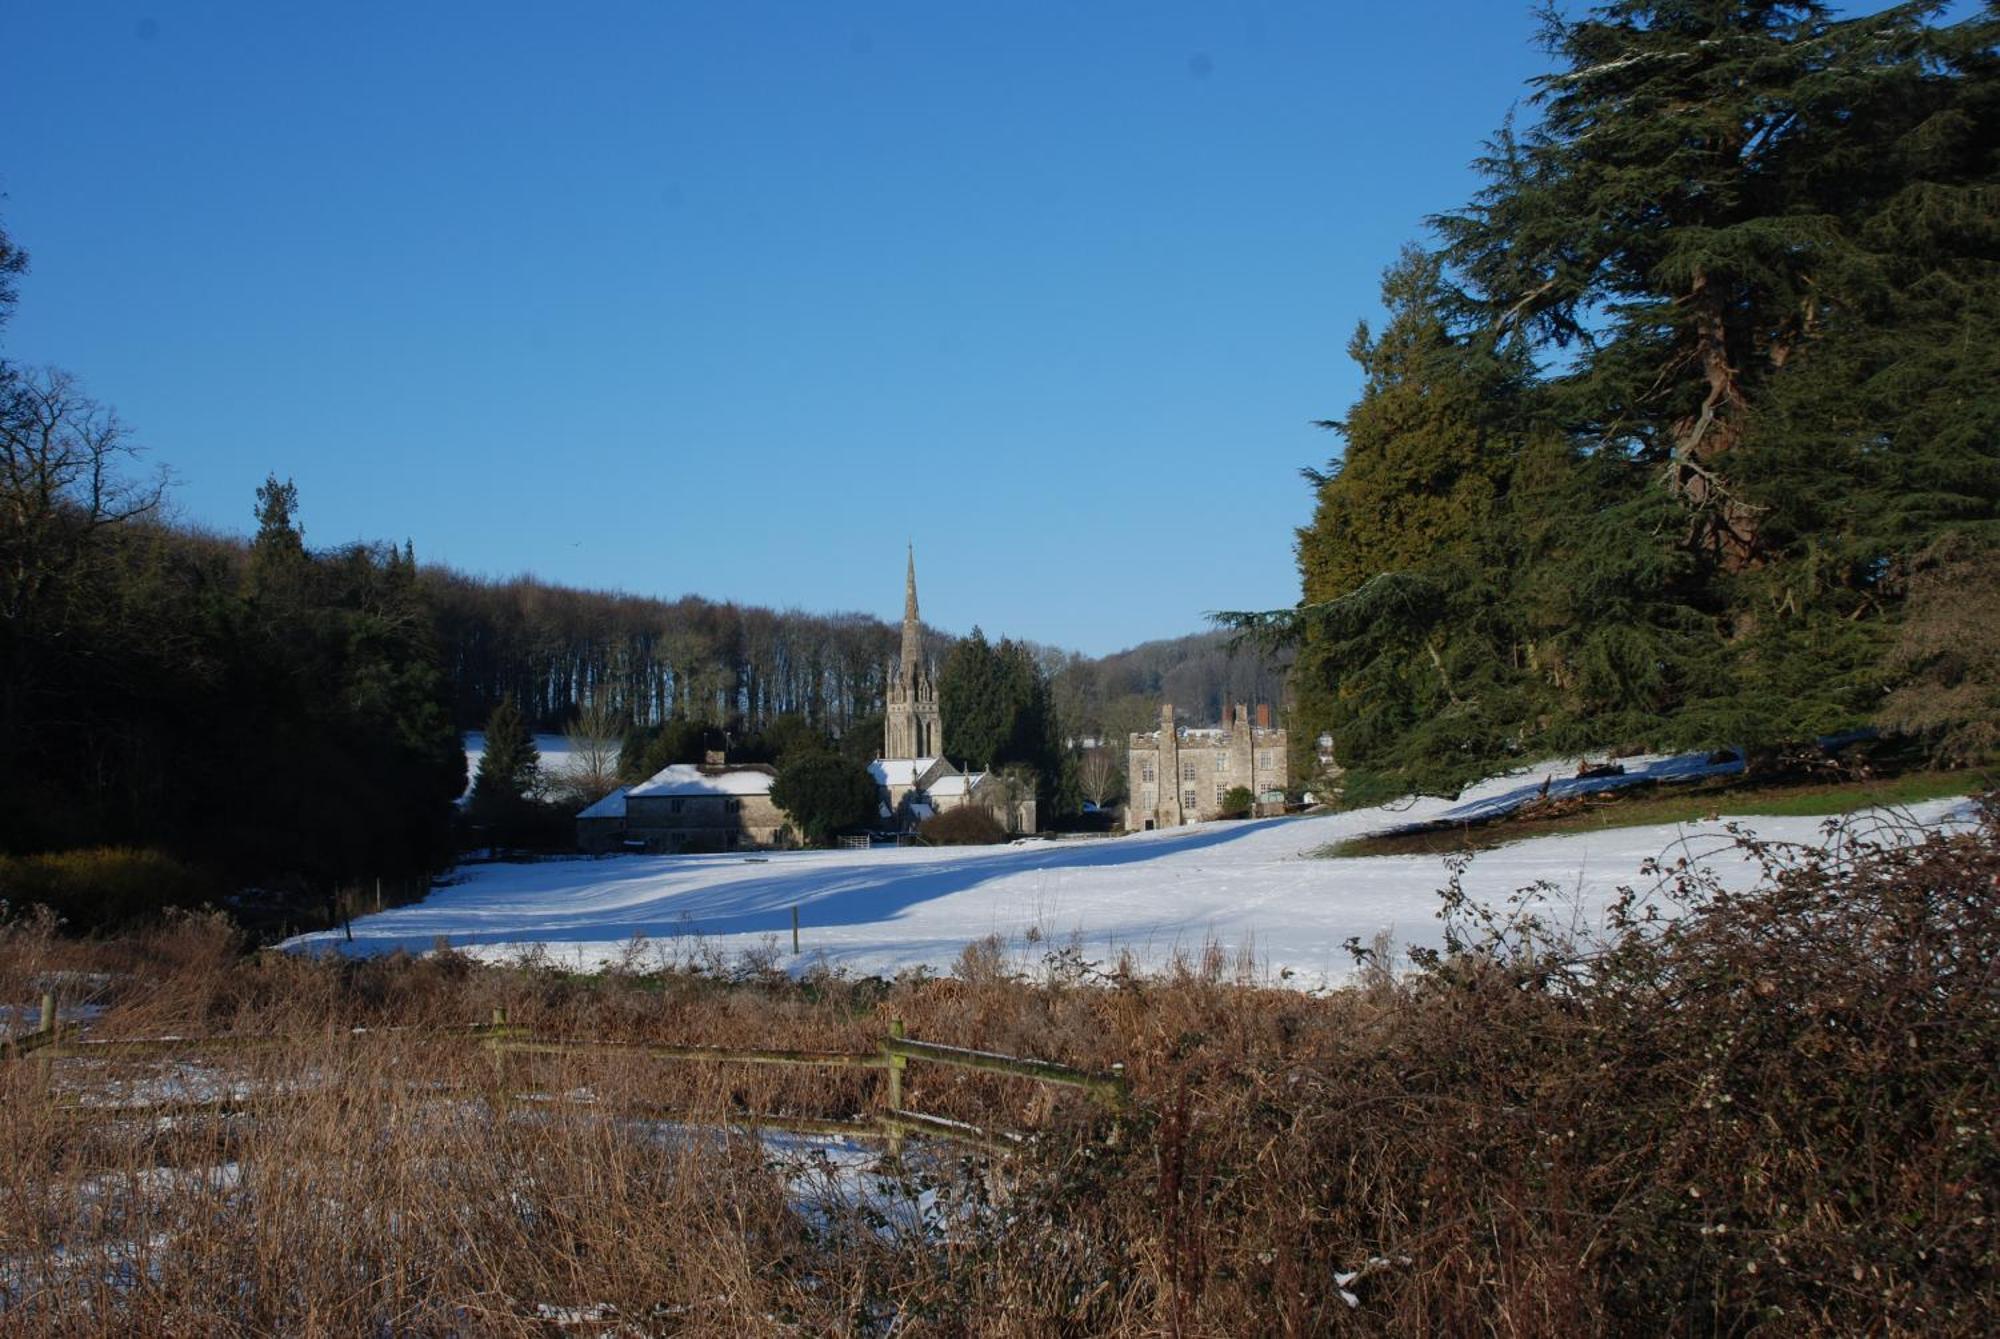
pixel 54 1040
pixel 713 1054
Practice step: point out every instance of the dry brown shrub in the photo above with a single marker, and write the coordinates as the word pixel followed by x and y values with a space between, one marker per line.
pixel 967 825
pixel 1773 1114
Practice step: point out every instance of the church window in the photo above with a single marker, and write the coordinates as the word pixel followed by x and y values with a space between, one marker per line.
pixel 1146 772
pixel 1221 763
pixel 674 805
pixel 732 806
pixel 1187 770
pixel 1188 801
pixel 1221 790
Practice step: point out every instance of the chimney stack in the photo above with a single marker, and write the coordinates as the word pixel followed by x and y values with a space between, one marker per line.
pixel 1263 715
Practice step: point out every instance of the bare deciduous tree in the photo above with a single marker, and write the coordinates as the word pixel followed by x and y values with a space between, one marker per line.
pixel 63 481
pixel 591 770
pixel 1099 775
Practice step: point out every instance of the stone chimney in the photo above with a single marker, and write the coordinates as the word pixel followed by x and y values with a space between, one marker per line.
pixel 1263 715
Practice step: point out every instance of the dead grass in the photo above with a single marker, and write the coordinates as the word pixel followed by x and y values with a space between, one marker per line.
pixel 1776 1115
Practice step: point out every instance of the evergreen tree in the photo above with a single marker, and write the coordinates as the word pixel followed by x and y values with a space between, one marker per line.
pixel 977 702
pixel 1755 242
pixel 1752 249
pixel 509 763
pixel 1406 633
pixel 278 560
pixel 861 741
pixel 677 741
pixel 786 735
pixel 998 709
pixel 824 794
pixel 509 766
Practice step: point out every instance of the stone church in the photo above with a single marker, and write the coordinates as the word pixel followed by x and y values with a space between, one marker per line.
pixel 913 777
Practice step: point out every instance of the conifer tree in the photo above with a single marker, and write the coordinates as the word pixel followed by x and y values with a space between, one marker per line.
pixel 978 700
pixel 824 794
pixel 1407 635
pixel 509 766
pixel 1749 249
pixel 998 709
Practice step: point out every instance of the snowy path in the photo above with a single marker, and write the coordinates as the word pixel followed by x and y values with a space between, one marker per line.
pixel 1243 886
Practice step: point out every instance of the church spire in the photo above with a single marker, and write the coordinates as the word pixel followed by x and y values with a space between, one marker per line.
pixel 911 725
pixel 912 625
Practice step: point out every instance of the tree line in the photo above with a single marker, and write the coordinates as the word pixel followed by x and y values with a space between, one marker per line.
pixel 551 648
pixel 1683 430
pixel 651 661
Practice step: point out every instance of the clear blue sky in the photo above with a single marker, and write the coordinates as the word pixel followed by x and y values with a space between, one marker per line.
pixel 734 299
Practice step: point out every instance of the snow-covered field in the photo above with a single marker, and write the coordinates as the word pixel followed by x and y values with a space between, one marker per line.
pixel 1253 889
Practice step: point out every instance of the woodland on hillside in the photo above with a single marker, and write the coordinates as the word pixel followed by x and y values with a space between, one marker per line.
pixel 651 661
pixel 1685 429
pixel 184 713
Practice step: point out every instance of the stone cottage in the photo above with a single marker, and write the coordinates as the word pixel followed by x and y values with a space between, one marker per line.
pixel 689 807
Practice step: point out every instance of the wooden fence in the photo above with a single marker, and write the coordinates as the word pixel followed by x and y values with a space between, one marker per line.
pixel 53 1040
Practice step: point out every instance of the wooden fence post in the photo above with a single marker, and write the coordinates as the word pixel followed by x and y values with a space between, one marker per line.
pixel 896 1066
pixel 795 930
pixel 1117 1134
pixel 48 1049
pixel 499 1061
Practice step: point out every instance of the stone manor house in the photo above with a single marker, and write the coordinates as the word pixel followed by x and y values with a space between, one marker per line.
pixel 1178 775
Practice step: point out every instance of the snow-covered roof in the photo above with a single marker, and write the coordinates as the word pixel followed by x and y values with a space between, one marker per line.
pixel 686 778
pixel 899 771
pixel 959 783
pixel 611 806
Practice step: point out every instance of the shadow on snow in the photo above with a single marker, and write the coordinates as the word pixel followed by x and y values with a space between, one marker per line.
pixel 668 897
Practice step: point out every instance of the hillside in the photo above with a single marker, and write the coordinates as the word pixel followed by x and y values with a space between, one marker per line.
pixel 550 646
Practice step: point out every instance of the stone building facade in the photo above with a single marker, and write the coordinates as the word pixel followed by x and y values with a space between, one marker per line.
pixel 689 807
pixel 1177 775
